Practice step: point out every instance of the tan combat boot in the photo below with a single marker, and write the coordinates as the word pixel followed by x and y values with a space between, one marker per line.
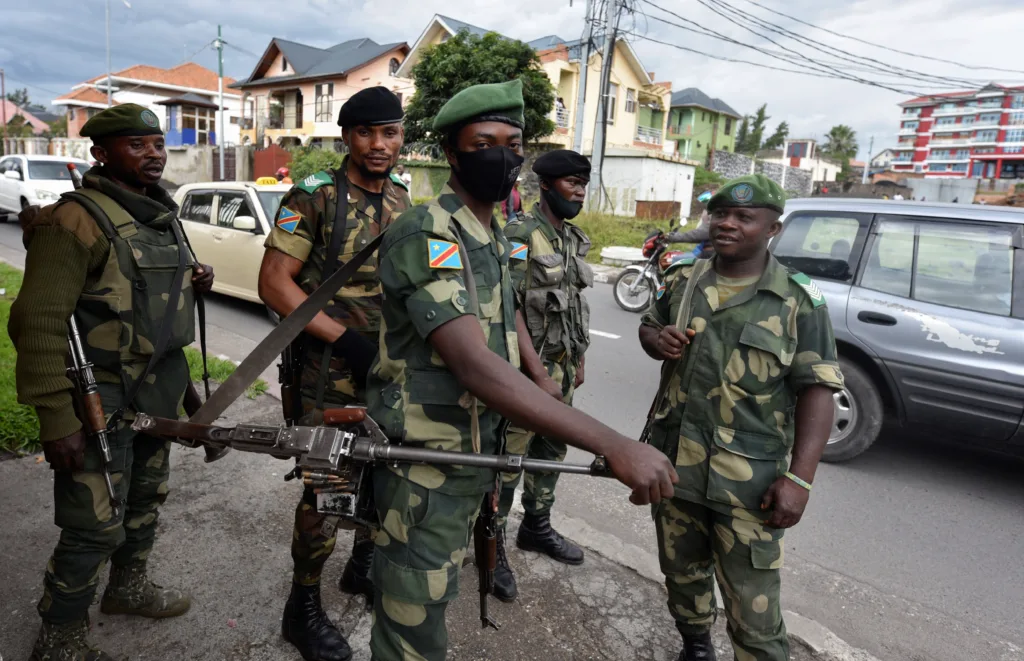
pixel 66 642
pixel 130 592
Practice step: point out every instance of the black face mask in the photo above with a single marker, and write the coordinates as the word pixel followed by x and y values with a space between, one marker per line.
pixel 488 174
pixel 561 207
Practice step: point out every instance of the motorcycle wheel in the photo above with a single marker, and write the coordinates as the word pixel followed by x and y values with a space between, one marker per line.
pixel 637 302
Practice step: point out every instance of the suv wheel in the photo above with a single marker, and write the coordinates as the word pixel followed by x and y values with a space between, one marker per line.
pixel 858 415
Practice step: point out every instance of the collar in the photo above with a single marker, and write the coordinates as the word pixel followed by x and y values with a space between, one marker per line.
pixel 470 227
pixel 154 209
pixel 774 279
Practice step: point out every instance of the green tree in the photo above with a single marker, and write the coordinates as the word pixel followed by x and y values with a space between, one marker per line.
pixel 778 138
pixel 742 135
pixel 310 160
pixel 468 59
pixel 703 178
pixel 19 97
pixel 841 145
pixel 757 127
pixel 19 128
pixel 59 127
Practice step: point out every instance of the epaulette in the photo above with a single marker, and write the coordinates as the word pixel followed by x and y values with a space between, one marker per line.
pixel 396 180
pixel 315 181
pixel 817 298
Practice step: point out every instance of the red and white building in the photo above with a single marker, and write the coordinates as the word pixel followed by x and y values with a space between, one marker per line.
pixel 976 134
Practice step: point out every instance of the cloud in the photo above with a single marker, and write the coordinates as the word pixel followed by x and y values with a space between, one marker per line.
pixel 49 57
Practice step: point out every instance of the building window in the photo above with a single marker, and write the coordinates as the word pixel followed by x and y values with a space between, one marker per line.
pixel 284 63
pixel 630 100
pixel 910 125
pixel 967 121
pixel 963 153
pixel 196 125
pixel 1015 135
pixel 612 101
pixel 986 136
pixel 1016 119
pixel 1012 150
pixel 728 125
pixel 393 66
pixel 703 117
pixel 958 167
pixel 991 118
pixel 324 100
pixel 945 121
pixel 1018 101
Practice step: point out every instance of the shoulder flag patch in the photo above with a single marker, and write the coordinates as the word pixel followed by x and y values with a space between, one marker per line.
pixel 817 298
pixel 519 251
pixel 661 291
pixel 396 180
pixel 443 254
pixel 314 181
pixel 288 220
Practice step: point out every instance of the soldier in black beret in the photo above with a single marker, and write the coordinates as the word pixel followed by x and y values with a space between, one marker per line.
pixel 321 223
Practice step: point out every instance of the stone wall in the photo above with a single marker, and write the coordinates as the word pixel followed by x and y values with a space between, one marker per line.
pixel 731 165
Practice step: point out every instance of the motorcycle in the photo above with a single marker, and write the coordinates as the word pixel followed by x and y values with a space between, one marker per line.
pixel 636 286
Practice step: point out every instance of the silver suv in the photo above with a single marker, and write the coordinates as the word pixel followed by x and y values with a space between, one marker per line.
pixel 927 303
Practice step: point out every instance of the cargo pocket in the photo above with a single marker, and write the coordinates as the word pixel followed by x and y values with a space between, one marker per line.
pixel 156 266
pixel 743 465
pixel 103 332
pixel 767 554
pixel 764 359
pixel 584 274
pixel 546 270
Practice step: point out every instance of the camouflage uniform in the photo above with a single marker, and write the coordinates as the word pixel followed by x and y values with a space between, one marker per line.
pixel 727 424
pixel 115 277
pixel 548 277
pixel 303 230
pixel 427 512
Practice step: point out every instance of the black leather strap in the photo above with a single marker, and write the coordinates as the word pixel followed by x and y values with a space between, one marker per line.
pixel 330 266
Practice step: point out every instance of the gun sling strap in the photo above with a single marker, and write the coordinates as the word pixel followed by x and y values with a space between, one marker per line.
pixel 330 266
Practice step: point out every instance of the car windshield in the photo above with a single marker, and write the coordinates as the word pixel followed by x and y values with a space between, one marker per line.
pixel 270 201
pixel 53 170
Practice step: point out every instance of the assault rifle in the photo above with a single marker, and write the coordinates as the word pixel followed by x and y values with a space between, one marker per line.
pixel 335 459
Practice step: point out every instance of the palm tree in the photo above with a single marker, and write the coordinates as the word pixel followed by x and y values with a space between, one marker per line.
pixel 840 142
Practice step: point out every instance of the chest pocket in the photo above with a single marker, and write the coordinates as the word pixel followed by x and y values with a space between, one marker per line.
pixel 359 229
pixel 487 274
pixel 154 269
pixel 761 360
pixel 546 270
pixel 584 274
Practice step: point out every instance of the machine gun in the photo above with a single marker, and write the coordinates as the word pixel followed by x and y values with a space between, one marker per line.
pixel 335 459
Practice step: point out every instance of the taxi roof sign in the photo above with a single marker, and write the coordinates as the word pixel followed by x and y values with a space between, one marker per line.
pixel 266 181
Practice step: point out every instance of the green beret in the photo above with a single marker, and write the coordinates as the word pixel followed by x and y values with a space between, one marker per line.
pixel 122 120
pixel 372 106
pixel 495 101
pixel 752 190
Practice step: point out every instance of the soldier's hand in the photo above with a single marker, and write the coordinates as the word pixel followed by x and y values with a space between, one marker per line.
pixel 66 454
pixel 579 377
pixel 786 499
pixel 644 469
pixel 671 341
pixel 202 278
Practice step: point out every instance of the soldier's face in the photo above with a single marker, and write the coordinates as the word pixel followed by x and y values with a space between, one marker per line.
pixel 374 149
pixel 742 232
pixel 136 160
pixel 572 188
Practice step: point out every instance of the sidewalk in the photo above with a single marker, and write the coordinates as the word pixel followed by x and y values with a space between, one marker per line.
pixel 224 536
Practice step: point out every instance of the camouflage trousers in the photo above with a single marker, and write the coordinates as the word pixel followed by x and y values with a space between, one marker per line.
pixel 695 544
pixel 418 554
pixel 538 488
pixel 90 534
pixel 314 534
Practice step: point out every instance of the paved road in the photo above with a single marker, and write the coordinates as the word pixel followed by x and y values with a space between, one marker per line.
pixel 912 551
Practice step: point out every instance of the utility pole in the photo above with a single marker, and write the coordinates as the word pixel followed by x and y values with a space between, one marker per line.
pixel 581 92
pixel 109 100
pixel 867 161
pixel 785 165
pixel 3 109
pixel 220 93
pixel 600 133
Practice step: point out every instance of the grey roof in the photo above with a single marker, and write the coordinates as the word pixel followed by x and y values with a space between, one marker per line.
pixel 189 99
pixel 312 62
pixel 691 96
pixel 458 26
pixel 543 43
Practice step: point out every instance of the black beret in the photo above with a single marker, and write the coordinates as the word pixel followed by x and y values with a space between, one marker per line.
pixel 561 163
pixel 372 106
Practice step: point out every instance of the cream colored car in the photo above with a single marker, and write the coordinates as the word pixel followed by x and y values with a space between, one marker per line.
pixel 227 223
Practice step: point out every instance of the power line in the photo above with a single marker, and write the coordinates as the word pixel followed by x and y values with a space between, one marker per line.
pixel 882 46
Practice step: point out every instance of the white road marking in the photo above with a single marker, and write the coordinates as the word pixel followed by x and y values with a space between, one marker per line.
pixel 610 336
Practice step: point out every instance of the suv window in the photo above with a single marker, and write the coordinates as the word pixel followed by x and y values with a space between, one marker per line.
pixel 822 244
pixel 197 206
pixel 231 206
pixel 952 264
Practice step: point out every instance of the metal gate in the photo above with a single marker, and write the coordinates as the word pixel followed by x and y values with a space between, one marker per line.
pixel 267 161
pixel 229 164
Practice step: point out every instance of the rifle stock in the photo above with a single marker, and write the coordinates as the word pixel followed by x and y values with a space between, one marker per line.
pixel 485 545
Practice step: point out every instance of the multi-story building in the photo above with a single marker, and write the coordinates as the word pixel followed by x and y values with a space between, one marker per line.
pixel 976 133
pixel 698 124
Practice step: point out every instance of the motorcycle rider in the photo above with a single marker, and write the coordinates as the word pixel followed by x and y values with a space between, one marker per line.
pixel 700 234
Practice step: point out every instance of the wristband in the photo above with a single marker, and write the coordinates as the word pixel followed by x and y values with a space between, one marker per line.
pixel 794 478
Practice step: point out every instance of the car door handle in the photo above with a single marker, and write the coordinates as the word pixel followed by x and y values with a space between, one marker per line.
pixel 218 236
pixel 876 318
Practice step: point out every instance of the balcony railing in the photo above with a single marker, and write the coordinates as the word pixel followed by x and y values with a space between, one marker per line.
pixel 562 118
pixel 946 112
pixel 649 135
pixel 951 142
pixel 908 131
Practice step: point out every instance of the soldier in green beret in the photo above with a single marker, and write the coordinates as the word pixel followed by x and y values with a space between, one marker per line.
pixel 315 232
pixel 448 372
pixel 100 254
pixel 744 412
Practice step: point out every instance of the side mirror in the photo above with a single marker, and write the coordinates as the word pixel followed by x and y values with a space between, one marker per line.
pixel 245 223
pixel 11 174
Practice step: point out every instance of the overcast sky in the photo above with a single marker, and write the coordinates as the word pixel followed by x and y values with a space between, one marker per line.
pixel 48 45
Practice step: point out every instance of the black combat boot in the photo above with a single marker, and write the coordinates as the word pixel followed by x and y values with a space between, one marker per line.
pixel 356 577
pixel 306 626
pixel 504 580
pixel 536 534
pixel 697 648
pixel 66 642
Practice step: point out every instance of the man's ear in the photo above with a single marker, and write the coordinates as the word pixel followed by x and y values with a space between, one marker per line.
pixel 544 185
pixel 776 225
pixel 99 153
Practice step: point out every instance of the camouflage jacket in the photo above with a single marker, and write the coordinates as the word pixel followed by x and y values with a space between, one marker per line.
pixel 303 229
pixel 727 418
pixel 549 274
pixel 115 276
pixel 411 392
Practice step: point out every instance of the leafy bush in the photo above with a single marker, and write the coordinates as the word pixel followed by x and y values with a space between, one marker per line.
pixel 19 427
pixel 605 230
pixel 310 160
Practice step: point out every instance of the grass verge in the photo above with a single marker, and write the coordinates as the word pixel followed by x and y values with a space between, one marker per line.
pixel 220 370
pixel 19 427
pixel 605 230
